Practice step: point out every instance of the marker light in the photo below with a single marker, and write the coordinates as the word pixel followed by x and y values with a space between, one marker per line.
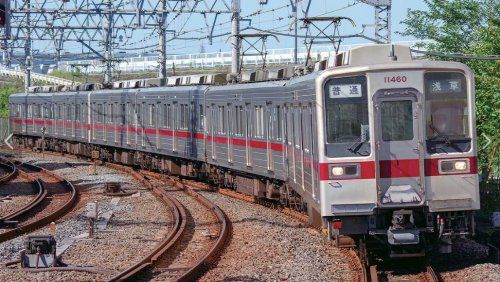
pixel 337 171
pixel 460 165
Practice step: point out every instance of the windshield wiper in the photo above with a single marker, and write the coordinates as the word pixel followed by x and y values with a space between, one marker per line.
pixel 439 133
pixel 356 146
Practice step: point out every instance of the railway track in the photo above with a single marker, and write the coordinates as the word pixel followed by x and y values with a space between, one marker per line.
pixel 55 197
pixel 9 170
pixel 167 261
pixel 426 273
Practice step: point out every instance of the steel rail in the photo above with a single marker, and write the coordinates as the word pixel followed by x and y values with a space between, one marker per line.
pixel 66 207
pixel 35 202
pixel 172 237
pixel 171 240
pixel 431 275
pixel 9 166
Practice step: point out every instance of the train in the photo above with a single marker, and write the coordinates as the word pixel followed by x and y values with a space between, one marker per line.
pixel 372 142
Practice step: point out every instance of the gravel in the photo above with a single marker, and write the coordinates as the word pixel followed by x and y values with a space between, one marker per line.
pixel 15 194
pixel 137 225
pixel 267 245
pixel 466 263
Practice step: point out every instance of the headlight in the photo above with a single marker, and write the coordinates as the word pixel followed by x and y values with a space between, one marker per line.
pixel 453 166
pixel 344 170
pixel 337 171
pixel 460 165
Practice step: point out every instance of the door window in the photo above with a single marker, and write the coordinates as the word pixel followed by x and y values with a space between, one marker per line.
pixel 397 120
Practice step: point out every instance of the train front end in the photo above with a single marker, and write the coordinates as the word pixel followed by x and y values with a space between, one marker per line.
pixel 397 149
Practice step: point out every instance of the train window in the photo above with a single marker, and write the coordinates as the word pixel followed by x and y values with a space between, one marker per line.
pixel 297 128
pixel 397 120
pixel 109 113
pixel 221 120
pixel 167 116
pixel 238 128
pixel 184 117
pixel 306 130
pixel 68 113
pixel 259 122
pixel 346 117
pixel 78 112
pixel 446 106
pixel 201 126
pixel 121 114
pixel 152 115
pixel 276 123
pixel 59 111
pixel 100 113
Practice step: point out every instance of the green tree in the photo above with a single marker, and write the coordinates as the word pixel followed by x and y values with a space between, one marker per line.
pixel 468 27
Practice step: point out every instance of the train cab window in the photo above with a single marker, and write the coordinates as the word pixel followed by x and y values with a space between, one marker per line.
pixel 346 117
pixel 259 122
pixel 447 112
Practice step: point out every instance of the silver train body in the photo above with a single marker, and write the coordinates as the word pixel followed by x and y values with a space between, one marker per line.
pixel 377 144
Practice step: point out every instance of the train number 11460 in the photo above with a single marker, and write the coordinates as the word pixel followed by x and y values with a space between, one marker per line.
pixel 395 79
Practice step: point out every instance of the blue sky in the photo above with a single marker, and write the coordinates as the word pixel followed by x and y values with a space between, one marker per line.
pixel 278 20
pixel 360 13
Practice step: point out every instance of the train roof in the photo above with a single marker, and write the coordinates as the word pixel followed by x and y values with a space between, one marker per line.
pixel 380 54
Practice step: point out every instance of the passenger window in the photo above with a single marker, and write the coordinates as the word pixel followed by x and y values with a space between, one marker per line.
pixel 259 122
pixel 152 115
pixel 201 126
pixel 238 118
pixel 221 120
pixel 100 114
pixel 184 118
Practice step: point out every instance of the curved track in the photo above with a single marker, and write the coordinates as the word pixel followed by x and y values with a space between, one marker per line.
pixel 56 196
pixel 177 235
pixel 10 170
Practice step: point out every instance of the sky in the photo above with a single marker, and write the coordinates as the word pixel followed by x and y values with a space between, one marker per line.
pixel 278 20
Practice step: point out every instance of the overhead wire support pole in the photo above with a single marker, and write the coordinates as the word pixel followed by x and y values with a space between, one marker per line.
pixel 383 20
pixel 108 42
pixel 235 40
pixel 163 45
pixel 28 48
pixel 294 4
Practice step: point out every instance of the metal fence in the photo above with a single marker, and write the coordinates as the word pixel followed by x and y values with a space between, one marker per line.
pixel 4 129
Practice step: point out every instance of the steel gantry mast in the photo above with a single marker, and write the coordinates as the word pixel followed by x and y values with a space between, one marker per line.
pixel 383 15
pixel 92 22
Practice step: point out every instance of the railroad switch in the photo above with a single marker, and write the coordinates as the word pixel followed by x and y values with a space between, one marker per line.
pixel 39 252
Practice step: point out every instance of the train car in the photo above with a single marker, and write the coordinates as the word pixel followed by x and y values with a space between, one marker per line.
pixel 378 144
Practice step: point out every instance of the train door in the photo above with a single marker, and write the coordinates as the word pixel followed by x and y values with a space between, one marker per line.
pixel 269 124
pixel 175 126
pixel 290 157
pixel 399 154
pixel 230 132
pixel 248 133
pixel 307 149
pixel 158 123
pixel 314 160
